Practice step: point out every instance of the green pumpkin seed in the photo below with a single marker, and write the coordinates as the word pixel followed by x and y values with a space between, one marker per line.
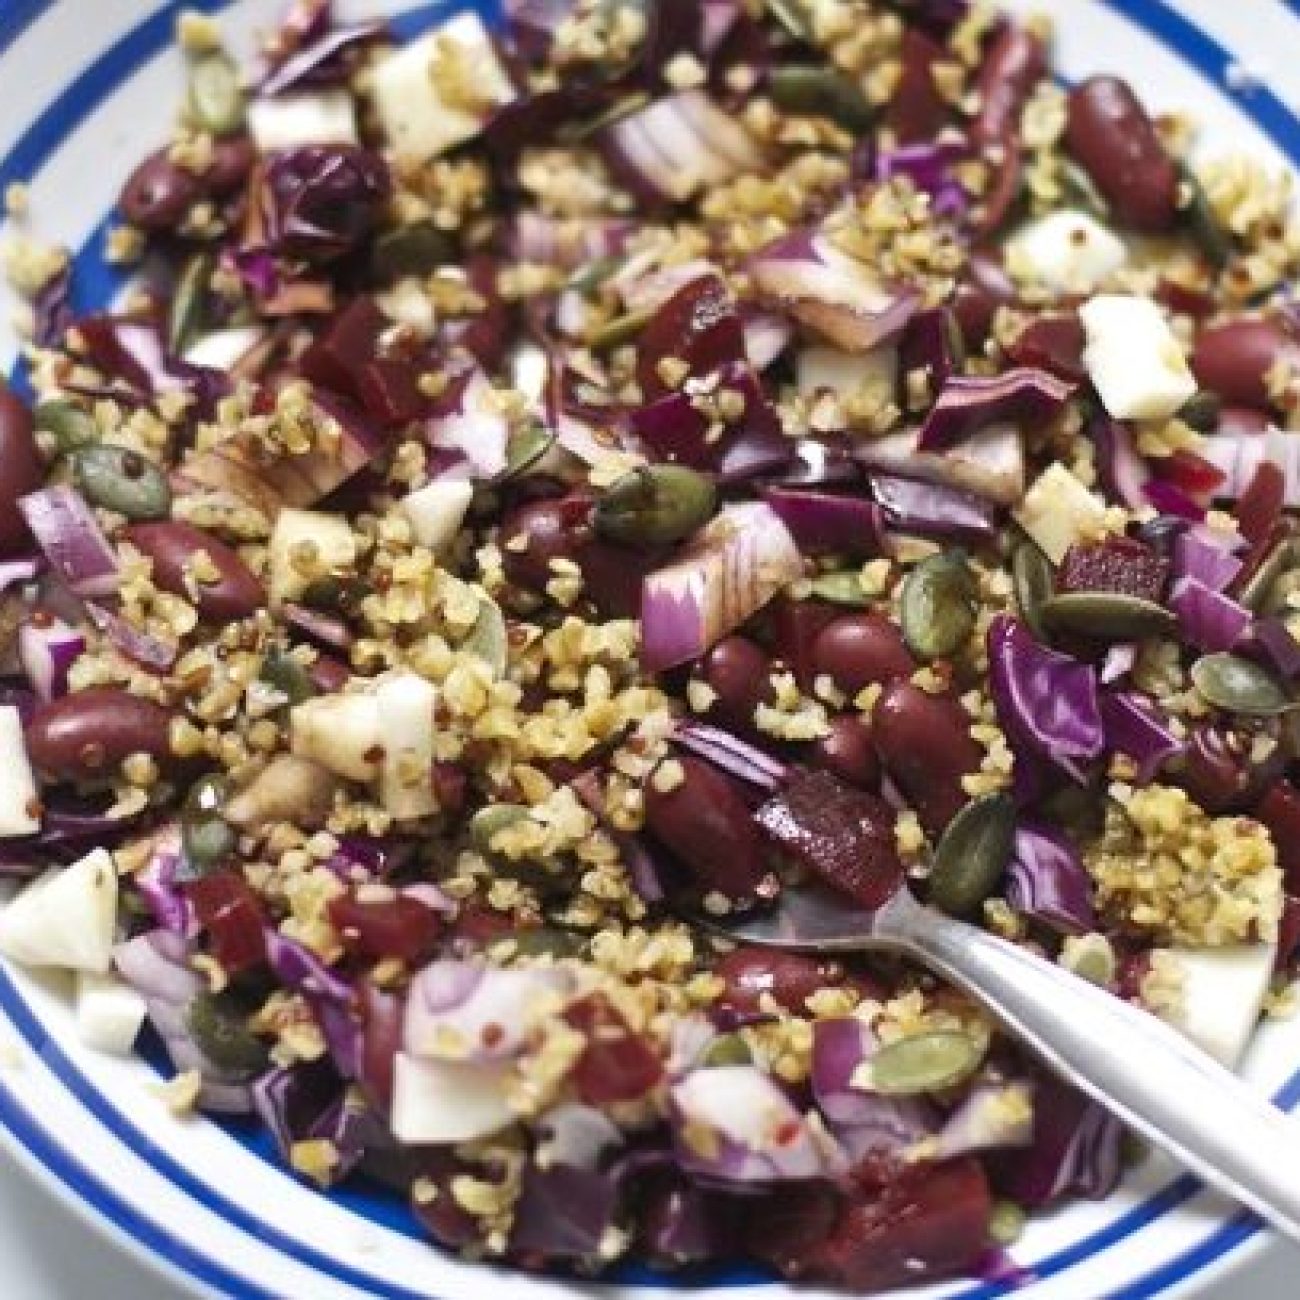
pixel 488 822
pixel 526 449
pixel 595 273
pixel 69 425
pixel 927 1062
pixel 206 837
pixel 1237 685
pixel 1034 581
pixel 655 505
pixel 220 1029
pixel 288 676
pixel 1258 592
pixel 726 1049
pixel 1201 411
pixel 843 588
pixel 971 857
pixel 1006 1223
pixel 548 941
pixel 120 479
pixel 938 605
pixel 411 250
pixel 1080 192
pixel 1091 958
pixel 793 17
pixel 216 99
pixel 1202 225
pixel 488 638
pixel 622 329
pixel 1107 616
pixel 819 91
pixel 189 302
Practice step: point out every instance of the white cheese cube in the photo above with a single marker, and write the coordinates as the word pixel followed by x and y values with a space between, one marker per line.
pixel 340 732
pixel 288 121
pixel 66 918
pixel 306 544
pixel 110 1013
pixel 436 92
pixel 448 1101
pixel 406 703
pixel 1058 511
pixel 1222 996
pixel 17 784
pixel 437 511
pixel 1069 252
pixel 1133 359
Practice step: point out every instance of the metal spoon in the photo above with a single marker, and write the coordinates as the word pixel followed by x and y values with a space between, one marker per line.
pixel 1138 1067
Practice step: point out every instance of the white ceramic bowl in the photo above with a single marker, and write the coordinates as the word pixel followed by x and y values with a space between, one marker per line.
pixel 88 86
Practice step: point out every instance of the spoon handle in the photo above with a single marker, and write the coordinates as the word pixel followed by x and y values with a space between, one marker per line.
pixel 1135 1065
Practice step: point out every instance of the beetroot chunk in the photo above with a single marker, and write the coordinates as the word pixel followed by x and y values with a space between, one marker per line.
pixel 1119 564
pixel 843 835
pixel 699 326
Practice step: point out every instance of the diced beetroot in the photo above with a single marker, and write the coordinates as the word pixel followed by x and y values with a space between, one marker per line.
pixel 336 357
pixel 229 912
pixel 707 825
pixel 1186 299
pixel 795 627
pixel 617 1064
pixel 698 325
pixel 389 389
pixel 916 110
pixel 485 334
pixel 1260 506
pixel 450 786
pixel 788 977
pixel 930 1223
pixel 1052 343
pixel 1288 932
pixel 1279 810
pixel 1189 473
pixel 382 1014
pixel 478 926
pixel 844 836
pixel 442 1216
pixel 399 927
pixel 1119 564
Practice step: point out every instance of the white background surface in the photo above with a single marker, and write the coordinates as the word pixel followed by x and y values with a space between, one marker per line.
pixel 47 1254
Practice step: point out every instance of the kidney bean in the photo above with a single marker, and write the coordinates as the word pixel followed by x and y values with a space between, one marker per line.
pixel 925 745
pixel 87 735
pixel 789 978
pixel 1114 139
pixel 706 823
pixel 1218 772
pixel 740 673
pixel 21 470
pixel 795 625
pixel 232 160
pixel 916 110
pixel 857 650
pixel 561 528
pixel 1233 360
pixel 172 546
pixel 1279 810
pixel 159 193
pixel 1016 63
pixel 848 752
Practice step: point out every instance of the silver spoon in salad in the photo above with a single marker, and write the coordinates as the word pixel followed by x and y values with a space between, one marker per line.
pixel 1138 1067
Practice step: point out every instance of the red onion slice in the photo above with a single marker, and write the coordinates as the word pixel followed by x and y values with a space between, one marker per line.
pixel 989 464
pixel 68 533
pixel 47 649
pixel 744 557
pixel 472 425
pixel 1022 396
pixel 832 293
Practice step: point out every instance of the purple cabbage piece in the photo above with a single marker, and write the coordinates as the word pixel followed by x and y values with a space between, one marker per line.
pixel 328 994
pixel 1046 701
pixel 321 61
pixel 931 509
pixel 929 167
pixel 1171 500
pixel 732 754
pixel 52 313
pixel 1205 556
pixel 1075 1150
pixel 157 884
pixel 1024 396
pixel 564 1212
pixel 320 202
pixel 1123 472
pixel 1207 619
pixel 1046 879
pixel 1134 727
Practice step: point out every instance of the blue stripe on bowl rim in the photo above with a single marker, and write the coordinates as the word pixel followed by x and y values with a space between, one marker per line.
pixel 33 150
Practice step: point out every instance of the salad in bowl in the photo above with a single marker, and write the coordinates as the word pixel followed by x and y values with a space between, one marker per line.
pixel 553 488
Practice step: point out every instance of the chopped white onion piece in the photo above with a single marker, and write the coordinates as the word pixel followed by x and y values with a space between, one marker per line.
pixel 223 349
pixel 406 703
pixel 301 535
pixel 1069 252
pixel 289 121
pixel 436 1102
pixel 340 732
pixel 1221 995
pixel 437 511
